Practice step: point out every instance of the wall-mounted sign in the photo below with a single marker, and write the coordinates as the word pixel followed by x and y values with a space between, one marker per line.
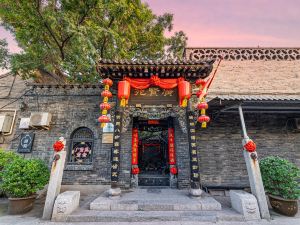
pixel 154 96
pixel 26 142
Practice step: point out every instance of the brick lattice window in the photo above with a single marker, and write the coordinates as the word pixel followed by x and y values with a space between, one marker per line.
pixel 81 149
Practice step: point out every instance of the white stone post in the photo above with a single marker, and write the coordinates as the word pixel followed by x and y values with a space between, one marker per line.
pixel 54 185
pixel 254 175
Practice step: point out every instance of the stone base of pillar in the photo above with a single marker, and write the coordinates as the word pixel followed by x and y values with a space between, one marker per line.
pixel 196 192
pixel 134 181
pixel 113 192
pixel 173 181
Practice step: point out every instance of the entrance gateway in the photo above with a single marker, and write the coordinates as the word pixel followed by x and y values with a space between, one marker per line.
pixel 153 110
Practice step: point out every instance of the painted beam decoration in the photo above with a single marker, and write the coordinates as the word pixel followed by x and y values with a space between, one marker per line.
pixel 194 164
pixel 115 154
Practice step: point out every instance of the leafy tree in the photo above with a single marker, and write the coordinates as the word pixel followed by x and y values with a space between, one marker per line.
pixel 64 39
pixel 4 55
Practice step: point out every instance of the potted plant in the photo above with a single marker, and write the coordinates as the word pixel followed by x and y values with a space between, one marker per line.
pixel 280 178
pixel 20 182
pixel 6 157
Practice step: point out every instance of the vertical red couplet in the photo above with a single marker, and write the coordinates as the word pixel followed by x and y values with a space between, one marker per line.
pixel 135 146
pixel 171 146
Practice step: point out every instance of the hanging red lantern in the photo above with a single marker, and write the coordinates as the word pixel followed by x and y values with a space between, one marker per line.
pixel 250 146
pixel 58 146
pixel 200 82
pixel 173 170
pixel 135 170
pixel 103 120
pixel 108 82
pixel 105 106
pixel 203 119
pixel 123 92
pixel 202 105
pixel 184 92
pixel 106 93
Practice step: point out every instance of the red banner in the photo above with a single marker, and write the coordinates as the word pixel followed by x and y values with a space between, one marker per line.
pixel 171 146
pixel 135 146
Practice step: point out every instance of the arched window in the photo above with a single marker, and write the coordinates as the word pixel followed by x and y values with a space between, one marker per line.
pixel 81 149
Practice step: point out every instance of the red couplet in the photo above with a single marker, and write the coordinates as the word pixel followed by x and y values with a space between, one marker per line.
pixel 171 147
pixel 135 146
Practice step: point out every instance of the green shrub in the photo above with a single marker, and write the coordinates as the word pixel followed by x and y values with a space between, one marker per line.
pixel 280 177
pixel 7 157
pixel 24 177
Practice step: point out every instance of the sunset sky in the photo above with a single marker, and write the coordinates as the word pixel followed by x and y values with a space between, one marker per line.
pixel 228 23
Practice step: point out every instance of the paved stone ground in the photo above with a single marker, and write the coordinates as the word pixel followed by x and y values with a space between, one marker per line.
pixel 33 217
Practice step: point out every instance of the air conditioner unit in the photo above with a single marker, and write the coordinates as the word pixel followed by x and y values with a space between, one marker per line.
pixel 40 120
pixel 5 123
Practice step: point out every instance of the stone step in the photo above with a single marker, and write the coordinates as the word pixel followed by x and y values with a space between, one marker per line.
pixel 147 216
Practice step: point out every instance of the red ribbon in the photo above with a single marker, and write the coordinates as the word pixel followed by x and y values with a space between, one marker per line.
pixel 141 83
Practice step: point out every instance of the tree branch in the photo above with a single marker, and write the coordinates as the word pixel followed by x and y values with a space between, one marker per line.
pixel 105 38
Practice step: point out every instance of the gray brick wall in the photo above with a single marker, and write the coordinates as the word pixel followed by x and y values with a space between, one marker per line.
pixel 220 148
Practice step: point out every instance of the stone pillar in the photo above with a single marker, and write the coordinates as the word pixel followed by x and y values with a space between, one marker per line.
pixel 54 185
pixel 253 170
pixel 115 157
pixel 194 164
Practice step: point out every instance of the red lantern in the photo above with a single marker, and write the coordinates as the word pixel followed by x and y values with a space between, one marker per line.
pixel 106 93
pixel 200 82
pixel 108 82
pixel 104 119
pixel 202 105
pixel 203 119
pixel 58 146
pixel 184 92
pixel 173 170
pixel 250 146
pixel 105 106
pixel 123 92
pixel 135 170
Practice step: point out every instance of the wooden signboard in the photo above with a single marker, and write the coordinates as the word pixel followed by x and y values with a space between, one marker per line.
pixel 26 142
pixel 153 96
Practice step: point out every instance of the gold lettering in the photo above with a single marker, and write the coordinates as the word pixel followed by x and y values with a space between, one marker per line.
pixel 153 91
pixel 193 137
pixel 193 144
pixel 114 166
pixel 138 92
pixel 195 167
pixel 114 174
pixel 117 143
pixel 194 152
pixel 116 159
pixel 118 123
pixel 168 92
pixel 194 159
pixel 196 175
pixel 116 151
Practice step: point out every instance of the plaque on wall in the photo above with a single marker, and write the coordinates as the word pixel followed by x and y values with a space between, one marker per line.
pixel 107 138
pixel 26 142
pixel 153 96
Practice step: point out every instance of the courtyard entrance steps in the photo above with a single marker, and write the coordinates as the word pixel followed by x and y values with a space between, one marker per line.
pixel 153 204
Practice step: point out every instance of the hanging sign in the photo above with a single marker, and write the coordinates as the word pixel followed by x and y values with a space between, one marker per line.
pixel 26 142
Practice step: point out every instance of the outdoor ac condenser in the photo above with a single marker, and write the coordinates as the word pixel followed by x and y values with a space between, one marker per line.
pixel 5 123
pixel 40 120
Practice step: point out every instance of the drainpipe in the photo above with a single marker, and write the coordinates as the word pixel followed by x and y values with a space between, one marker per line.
pixel 254 174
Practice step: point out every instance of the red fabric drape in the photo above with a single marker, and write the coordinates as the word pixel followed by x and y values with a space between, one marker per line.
pixel 141 83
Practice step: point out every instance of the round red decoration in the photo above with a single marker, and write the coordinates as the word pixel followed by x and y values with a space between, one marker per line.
pixel 200 82
pixel 173 170
pixel 250 146
pixel 123 92
pixel 104 119
pixel 58 146
pixel 106 93
pixel 108 82
pixel 203 118
pixel 184 92
pixel 135 170
pixel 202 105
pixel 105 106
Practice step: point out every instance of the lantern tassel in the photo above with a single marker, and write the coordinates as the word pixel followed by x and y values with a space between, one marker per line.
pixel 103 125
pixel 184 102
pixel 123 102
pixel 203 125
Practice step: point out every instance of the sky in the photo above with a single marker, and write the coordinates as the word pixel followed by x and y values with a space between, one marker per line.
pixel 227 23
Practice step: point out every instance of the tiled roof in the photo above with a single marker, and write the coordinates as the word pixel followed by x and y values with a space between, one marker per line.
pixel 164 68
